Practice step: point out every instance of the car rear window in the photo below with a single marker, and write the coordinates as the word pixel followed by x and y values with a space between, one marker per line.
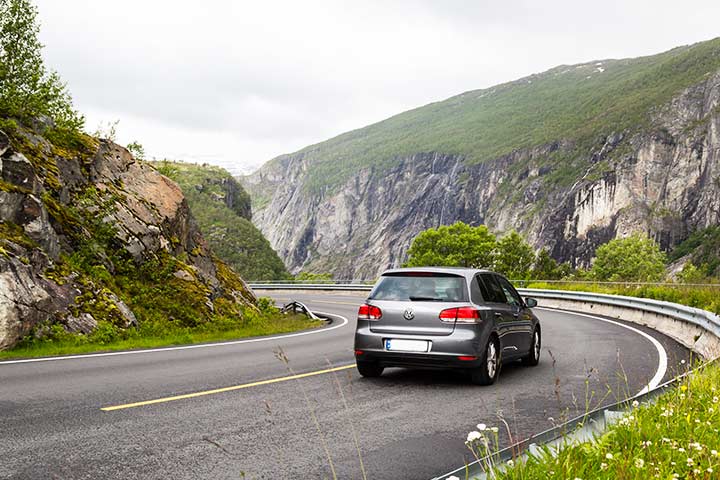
pixel 421 286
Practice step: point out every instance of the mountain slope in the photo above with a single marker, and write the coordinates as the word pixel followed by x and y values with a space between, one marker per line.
pixel 571 157
pixel 222 209
pixel 97 243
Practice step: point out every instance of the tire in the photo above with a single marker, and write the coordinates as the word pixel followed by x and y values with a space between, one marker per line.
pixel 533 357
pixel 369 369
pixel 487 373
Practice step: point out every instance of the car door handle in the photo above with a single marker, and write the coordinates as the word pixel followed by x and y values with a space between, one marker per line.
pixel 498 314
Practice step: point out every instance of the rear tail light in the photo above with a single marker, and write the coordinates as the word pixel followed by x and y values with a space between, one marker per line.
pixel 460 315
pixel 369 312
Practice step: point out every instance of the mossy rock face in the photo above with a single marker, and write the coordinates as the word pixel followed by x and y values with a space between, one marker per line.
pixel 95 234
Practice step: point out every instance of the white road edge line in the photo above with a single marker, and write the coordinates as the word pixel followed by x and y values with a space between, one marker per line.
pixel 185 347
pixel 662 354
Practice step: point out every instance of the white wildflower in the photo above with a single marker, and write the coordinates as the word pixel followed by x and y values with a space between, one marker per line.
pixel 709 470
pixel 472 436
pixel 481 427
pixel 715 399
pixel 494 429
pixel 639 463
pixel 635 404
pixel 609 456
pixel 690 461
pixel 510 463
pixel 714 453
pixel 603 466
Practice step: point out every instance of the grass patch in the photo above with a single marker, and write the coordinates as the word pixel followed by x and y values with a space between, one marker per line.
pixel 676 436
pixel 68 344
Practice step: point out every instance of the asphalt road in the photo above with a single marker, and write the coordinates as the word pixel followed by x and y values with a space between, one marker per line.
pixel 404 425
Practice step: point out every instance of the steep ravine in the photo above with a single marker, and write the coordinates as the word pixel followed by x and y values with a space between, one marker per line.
pixel 662 177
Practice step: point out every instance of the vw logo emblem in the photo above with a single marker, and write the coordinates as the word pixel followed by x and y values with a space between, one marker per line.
pixel 409 314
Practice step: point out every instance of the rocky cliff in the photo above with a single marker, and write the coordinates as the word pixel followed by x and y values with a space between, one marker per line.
pixel 659 174
pixel 92 239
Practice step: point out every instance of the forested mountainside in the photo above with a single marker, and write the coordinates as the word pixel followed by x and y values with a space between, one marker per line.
pixel 222 209
pixel 570 157
pixel 93 241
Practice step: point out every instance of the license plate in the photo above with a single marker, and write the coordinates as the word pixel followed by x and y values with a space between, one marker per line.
pixel 400 345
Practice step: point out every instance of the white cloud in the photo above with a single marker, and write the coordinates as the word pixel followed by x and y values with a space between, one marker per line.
pixel 237 83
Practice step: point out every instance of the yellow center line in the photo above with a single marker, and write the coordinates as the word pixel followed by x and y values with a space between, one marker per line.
pixel 226 389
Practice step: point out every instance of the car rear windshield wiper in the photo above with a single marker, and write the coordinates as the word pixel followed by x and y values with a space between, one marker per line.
pixel 425 299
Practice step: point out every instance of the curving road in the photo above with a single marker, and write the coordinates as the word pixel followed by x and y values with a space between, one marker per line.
pixel 242 414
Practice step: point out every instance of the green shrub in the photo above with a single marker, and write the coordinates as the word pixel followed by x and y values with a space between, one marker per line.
pixel 634 258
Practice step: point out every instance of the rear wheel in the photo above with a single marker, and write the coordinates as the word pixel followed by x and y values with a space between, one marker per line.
pixel 533 356
pixel 369 369
pixel 488 371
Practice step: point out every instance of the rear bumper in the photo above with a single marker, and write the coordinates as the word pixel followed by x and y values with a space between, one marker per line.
pixel 445 350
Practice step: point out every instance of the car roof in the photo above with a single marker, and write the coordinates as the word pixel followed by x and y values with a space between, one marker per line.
pixel 466 272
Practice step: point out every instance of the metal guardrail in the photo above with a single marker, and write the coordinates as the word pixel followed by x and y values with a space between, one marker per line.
pixel 696 316
pixel 296 307
pixel 356 287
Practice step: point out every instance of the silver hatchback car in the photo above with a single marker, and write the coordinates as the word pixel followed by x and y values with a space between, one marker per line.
pixel 445 318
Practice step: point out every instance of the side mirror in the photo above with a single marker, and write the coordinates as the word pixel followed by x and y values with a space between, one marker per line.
pixel 530 302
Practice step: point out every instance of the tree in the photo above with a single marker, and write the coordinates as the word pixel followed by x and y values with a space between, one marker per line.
pixel 691 274
pixel 458 245
pixel 545 267
pixel 634 258
pixel 136 149
pixel 27 89
pixel 514 257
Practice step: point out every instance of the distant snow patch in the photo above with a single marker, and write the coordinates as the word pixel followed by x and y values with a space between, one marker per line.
pixel 600 69
pixel 598 64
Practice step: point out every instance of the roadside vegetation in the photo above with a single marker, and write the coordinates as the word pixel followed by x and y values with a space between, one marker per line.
pixel 675 436
pixel 152 335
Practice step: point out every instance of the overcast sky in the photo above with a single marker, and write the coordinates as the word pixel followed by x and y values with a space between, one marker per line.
pixel 236 83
